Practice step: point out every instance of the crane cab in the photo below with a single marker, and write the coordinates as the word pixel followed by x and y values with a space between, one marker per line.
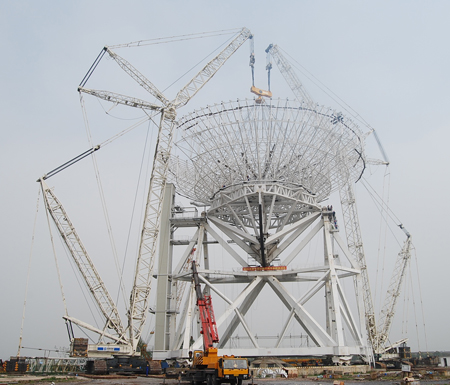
pixel 233 369
pixel 209 368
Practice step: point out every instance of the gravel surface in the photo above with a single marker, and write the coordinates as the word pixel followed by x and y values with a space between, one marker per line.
pixel 154 380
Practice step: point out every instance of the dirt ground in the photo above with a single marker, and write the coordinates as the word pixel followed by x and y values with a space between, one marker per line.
pixel 156 380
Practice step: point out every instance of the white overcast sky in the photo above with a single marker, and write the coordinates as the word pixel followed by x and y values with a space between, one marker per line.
pixel 388 60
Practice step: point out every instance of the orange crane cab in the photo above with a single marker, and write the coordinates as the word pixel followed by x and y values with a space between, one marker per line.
pixel 233 368
pixel 221 368
pixel 207 366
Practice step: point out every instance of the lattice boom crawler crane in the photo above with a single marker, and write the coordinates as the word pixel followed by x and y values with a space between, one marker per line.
pixel 116 339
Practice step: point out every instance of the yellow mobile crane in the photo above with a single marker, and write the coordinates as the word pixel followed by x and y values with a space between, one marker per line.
pixel 207 366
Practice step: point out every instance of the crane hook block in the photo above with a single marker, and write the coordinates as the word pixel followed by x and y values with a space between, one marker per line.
pixel 260 92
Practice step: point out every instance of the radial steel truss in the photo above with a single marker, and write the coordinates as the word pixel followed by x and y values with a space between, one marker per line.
pixel 229 144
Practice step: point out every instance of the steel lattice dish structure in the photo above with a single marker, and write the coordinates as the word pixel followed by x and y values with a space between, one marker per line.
pixel 230 144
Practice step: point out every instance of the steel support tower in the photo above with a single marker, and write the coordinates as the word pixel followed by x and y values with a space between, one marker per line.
pixel 260 172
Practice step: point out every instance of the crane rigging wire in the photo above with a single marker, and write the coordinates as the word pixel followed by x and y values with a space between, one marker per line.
pixel 377 200
pixel 415 313
pixel 97 147
pixel 198 63
pixel 172 39
pixel 383 221
pixel 134 203
pixel 102 198
pixel 421 300
pixel 405 308
pixel 339 101
pixel 84 332
pixel 107 112
pixel 55 256
pixel 328 91
pixel 28 272
pixel 83 287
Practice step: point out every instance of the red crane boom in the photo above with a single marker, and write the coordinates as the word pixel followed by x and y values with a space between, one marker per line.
pixel 209 327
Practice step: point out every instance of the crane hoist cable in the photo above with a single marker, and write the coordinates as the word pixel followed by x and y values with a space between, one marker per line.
pixel 252 58
pixel 257 91
pixel 268 64
pixel 28 273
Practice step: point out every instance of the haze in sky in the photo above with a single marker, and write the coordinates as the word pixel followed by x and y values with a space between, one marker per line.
pixel 386 60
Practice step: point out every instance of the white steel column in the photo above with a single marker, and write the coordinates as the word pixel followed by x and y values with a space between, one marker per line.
pixel 164 298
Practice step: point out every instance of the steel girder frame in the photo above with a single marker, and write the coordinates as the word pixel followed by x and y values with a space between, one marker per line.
pixel 55 365
pixel 341 310
pixel 329 339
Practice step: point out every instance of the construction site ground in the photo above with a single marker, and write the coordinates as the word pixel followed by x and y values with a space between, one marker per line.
pixel 159 380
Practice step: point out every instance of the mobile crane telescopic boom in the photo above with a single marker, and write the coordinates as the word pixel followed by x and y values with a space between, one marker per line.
pixel 207 366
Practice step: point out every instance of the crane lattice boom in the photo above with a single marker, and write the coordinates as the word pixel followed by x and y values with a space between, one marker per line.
pixel 83 261
pixel 289 75
pixel 392 294
pixel 355 246
pixel 120 99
